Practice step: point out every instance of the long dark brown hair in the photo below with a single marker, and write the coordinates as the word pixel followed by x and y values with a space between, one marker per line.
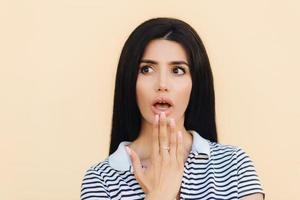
pixel 200 113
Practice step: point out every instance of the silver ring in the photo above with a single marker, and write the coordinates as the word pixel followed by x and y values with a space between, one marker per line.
pixel 166 148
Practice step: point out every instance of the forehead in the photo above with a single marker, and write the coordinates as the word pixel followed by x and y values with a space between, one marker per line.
pixel 164 51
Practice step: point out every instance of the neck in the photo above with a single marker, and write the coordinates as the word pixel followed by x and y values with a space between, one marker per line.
pixel 142 146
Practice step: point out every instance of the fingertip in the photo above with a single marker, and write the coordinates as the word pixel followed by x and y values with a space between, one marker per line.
pixel 162 116
pixel 172 122
pixel 179 135
pixel 163 119
pixel 128 150
pixel 156 119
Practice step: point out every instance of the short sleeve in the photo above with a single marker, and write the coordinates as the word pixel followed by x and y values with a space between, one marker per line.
pixel 93 187
pixel 248 180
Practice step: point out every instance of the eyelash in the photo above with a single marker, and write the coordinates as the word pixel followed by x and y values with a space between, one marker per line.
pixel 147 66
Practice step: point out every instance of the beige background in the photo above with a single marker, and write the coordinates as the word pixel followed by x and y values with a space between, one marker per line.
pixel 57 70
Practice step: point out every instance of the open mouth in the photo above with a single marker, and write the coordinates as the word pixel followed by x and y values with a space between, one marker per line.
pixel 162 105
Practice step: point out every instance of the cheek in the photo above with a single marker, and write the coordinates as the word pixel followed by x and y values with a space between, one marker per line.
pixel 142 90
pixel 183 94
pixel 139 92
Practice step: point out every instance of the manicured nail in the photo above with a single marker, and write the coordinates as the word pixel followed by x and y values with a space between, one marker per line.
pixel 172 122
pixel 128 150
pixel 156 118
pixel 179 134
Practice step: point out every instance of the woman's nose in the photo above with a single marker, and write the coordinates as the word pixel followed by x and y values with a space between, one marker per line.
pixel 162 88
pixel 162 82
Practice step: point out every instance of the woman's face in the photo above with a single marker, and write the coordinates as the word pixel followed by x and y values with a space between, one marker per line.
pixel 164 81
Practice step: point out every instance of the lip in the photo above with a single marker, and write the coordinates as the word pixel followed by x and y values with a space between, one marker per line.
pixel 158 111
pixel 162 99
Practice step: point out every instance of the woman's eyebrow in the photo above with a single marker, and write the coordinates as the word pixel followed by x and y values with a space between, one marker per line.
pixel 171 63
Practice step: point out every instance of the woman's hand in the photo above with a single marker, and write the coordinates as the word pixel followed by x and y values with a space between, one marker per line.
pixel 162 179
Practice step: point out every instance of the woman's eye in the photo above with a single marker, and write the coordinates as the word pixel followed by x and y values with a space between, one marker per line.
pixel 179 70
pixel 145 69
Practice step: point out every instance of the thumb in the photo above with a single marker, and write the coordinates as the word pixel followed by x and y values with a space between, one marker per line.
pixel 136 163
pixel 137 167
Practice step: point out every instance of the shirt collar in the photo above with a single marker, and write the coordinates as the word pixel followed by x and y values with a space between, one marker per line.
pixel 120 160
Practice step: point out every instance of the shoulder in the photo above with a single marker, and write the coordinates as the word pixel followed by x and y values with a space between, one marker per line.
pixel 99 169
pixel 93 183
pixel 230 153
pixel 221 149
pixel 236 159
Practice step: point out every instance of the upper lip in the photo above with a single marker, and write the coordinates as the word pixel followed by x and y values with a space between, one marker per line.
pixel 162 99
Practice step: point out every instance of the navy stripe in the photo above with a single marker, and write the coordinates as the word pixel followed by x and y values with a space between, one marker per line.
pixel 228 173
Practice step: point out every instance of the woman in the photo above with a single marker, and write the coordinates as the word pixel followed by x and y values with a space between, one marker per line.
pixel 164 137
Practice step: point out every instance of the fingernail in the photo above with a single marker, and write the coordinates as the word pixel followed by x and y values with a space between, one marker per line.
pixel 179 134
pixel 172 122
pixel 162 114
pixel 128 150
pixel 156 118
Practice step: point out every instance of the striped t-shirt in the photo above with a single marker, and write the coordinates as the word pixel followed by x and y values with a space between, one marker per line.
pixel 211 171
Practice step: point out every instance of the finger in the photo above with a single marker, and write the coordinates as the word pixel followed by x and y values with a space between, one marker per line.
pixel 173 139
pixel 179 153
pixel 137 169
pixel 136 164
pixel 155 142
pixel 163 136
